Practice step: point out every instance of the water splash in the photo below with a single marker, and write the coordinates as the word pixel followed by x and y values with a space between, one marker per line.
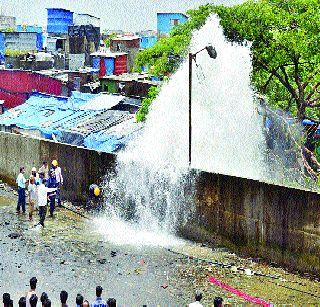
pixel 120 232
pixel 153 186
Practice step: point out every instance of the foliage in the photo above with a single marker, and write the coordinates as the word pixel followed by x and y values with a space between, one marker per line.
pixel 146 102
pixel 164 57
pixel 157 58
pixel 7 30
pixel 15 53
pixel 108 40
pixel 286 61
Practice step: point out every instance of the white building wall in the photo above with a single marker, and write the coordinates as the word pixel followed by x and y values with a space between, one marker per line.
pixel 76 61
pixel 26 41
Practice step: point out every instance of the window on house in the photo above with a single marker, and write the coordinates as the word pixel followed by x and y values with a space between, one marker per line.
pixel 175 22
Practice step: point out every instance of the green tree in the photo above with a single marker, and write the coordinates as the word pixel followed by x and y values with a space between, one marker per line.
pixel 164 57
pixel 108 40
pixel 146 102
pixel 286 61
pixel 176 45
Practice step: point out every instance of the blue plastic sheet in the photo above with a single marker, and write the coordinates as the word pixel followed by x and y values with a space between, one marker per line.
pixel 49 114
pixel 101 141
pixel 58 116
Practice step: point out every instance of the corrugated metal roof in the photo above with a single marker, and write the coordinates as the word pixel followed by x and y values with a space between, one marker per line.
pixel 72 119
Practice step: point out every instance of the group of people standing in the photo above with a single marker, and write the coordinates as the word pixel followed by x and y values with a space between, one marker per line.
pixel 43 186
pixel 31 298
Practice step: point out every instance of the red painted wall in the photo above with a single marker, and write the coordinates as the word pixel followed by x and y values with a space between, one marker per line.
pixel 16 85
pixel 120 65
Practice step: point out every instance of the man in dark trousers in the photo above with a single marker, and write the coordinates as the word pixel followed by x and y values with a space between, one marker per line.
pixel 21 183
pixel 52 184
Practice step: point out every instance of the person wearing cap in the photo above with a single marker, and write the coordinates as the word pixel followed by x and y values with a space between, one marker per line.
pixel 111 302
pixel 52 184
pixel 33 300
pixel 22 301
pixel 21 183
pixel 35 174
pixel 59 179
pixel 218 301
pixel 99 302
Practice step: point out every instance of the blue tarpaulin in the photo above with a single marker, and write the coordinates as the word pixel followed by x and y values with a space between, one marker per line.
pixel 54 117
pixel 307 122
pixel 101 141
pixel 48 114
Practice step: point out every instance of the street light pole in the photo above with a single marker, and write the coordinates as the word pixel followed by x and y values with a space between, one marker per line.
pixel 190 104
pixel 192 56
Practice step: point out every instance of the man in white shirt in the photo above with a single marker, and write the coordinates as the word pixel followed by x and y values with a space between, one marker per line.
pixel 43 199
pixel 198 297
pixel 21 182
pixel 59 179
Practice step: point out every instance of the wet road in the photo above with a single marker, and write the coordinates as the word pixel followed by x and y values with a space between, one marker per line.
pixel 70 254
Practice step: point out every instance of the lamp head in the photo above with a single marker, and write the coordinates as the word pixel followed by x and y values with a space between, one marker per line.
pixel 212 52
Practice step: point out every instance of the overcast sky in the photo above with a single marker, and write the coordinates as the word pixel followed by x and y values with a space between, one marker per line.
pixel 131 15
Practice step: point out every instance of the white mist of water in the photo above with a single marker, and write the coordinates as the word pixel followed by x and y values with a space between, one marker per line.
pixel 153 185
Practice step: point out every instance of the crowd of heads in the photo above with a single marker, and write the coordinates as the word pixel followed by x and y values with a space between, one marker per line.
pixel 33 298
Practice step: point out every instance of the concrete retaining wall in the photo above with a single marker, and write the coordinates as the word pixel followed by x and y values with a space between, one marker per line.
pixel 81 167
pixel 262 220
pixel 273 222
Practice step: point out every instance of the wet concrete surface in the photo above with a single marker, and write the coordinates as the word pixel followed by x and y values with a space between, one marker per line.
pixel 68 254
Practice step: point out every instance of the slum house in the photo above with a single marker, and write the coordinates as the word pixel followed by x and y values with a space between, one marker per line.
pixel 22 47
pixel 35 61
pixel 133 85
pixel 110 63
pixel 82 41
pixel 12 44
pixel 86 19
pixel 79 78
pixel 7 22
pixel 58 21
pixel 148 38
pixel 128 44
pixel 167 21
pixel 91 121
pixel 16 86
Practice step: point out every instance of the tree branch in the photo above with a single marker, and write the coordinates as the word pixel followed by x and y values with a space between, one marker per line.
pixel 297 77
pixel 286 82
pixel 313 90
pixel 264 87
pixel 311 103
